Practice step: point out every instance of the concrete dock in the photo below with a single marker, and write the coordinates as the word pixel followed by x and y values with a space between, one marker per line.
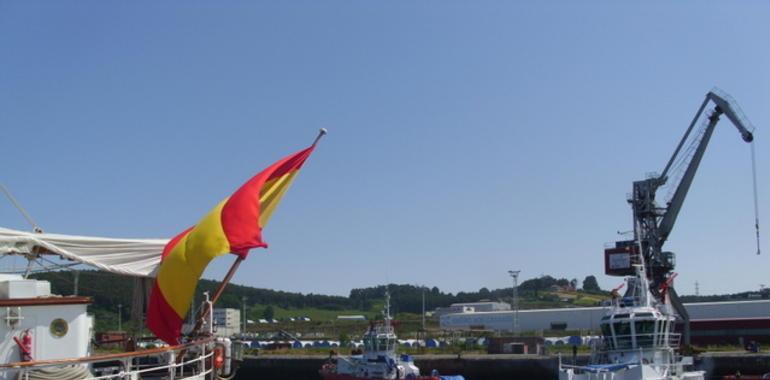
pixel 488 367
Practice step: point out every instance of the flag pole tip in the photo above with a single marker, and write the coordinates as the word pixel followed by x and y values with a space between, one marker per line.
pixel 321 133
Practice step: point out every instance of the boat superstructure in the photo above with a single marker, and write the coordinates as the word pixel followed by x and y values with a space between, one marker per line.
pixel 638 340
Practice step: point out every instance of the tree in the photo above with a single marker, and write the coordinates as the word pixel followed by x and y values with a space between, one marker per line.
pixel 574 283
pixel 591 285
pixel 268 313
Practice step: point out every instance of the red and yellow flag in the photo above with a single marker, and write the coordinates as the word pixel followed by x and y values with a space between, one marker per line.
pixel 233 226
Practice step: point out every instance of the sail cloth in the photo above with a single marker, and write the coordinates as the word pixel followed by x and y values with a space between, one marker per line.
pixel 131 257
pixel 233 226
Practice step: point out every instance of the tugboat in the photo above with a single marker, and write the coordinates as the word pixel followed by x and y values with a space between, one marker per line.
pixel 379 359
pixel 638 340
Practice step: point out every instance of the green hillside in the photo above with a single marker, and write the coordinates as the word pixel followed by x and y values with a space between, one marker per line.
pixel 109 291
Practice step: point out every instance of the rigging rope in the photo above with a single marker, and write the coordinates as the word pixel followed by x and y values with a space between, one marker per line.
pixel 756 197
pixel 23 212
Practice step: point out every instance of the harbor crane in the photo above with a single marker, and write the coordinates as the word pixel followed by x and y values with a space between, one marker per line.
pixel 653 222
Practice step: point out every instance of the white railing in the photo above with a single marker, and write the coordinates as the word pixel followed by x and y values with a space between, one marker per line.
pixel 198 365
pixel 171 362
pixel 648 341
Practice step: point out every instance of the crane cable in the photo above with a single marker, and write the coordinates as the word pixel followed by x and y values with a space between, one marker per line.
pixel 756 198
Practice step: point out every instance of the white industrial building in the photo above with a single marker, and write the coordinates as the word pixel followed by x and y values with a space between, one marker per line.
pixel 227 322
pixel 589 317
pixel 469 307
pixel 351 318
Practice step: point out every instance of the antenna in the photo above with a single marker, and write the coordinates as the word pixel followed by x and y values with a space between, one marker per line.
pixel 23 212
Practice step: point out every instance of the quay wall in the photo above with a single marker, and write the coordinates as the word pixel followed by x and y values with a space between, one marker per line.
pixel 487 367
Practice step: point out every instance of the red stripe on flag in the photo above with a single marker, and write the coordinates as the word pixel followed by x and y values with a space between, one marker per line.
pixel 290 163
pixel 240 215
pixel 162 319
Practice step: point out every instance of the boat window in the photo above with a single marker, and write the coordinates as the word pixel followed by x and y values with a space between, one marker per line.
pixel 619 316
pixel 383 344
pixel 623 334
pixel 643 314
pixel 645 331
pixel 608 342
pixel 607 334
pixel 59 327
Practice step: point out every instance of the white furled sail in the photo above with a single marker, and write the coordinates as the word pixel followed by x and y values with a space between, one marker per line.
pixel 132 257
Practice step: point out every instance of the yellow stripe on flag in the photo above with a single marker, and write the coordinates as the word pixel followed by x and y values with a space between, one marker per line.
pixel 271 195
pixel 185 263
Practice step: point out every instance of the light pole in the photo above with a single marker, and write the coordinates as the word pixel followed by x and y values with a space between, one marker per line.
pixel 243 311
pixel 515 301
pixel 423 308
pixel 120 317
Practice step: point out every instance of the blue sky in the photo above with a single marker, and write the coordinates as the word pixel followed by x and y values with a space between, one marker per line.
pixel 466 138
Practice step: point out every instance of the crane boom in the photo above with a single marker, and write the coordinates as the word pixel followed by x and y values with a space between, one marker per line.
pixel 723 106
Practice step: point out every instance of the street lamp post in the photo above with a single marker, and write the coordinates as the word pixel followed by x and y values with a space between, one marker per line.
pixel 243 311
pixel 423 308
pixel 120 317
pixel 515 301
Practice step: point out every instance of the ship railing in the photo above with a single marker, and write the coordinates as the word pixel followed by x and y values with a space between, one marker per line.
pixel 646 341
pixel 674 339
pixel 667 367
pixel 170 365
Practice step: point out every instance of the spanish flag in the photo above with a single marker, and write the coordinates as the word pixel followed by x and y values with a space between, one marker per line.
pixel 233 226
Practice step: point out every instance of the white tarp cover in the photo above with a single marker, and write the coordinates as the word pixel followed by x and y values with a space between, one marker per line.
pixel 133 257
